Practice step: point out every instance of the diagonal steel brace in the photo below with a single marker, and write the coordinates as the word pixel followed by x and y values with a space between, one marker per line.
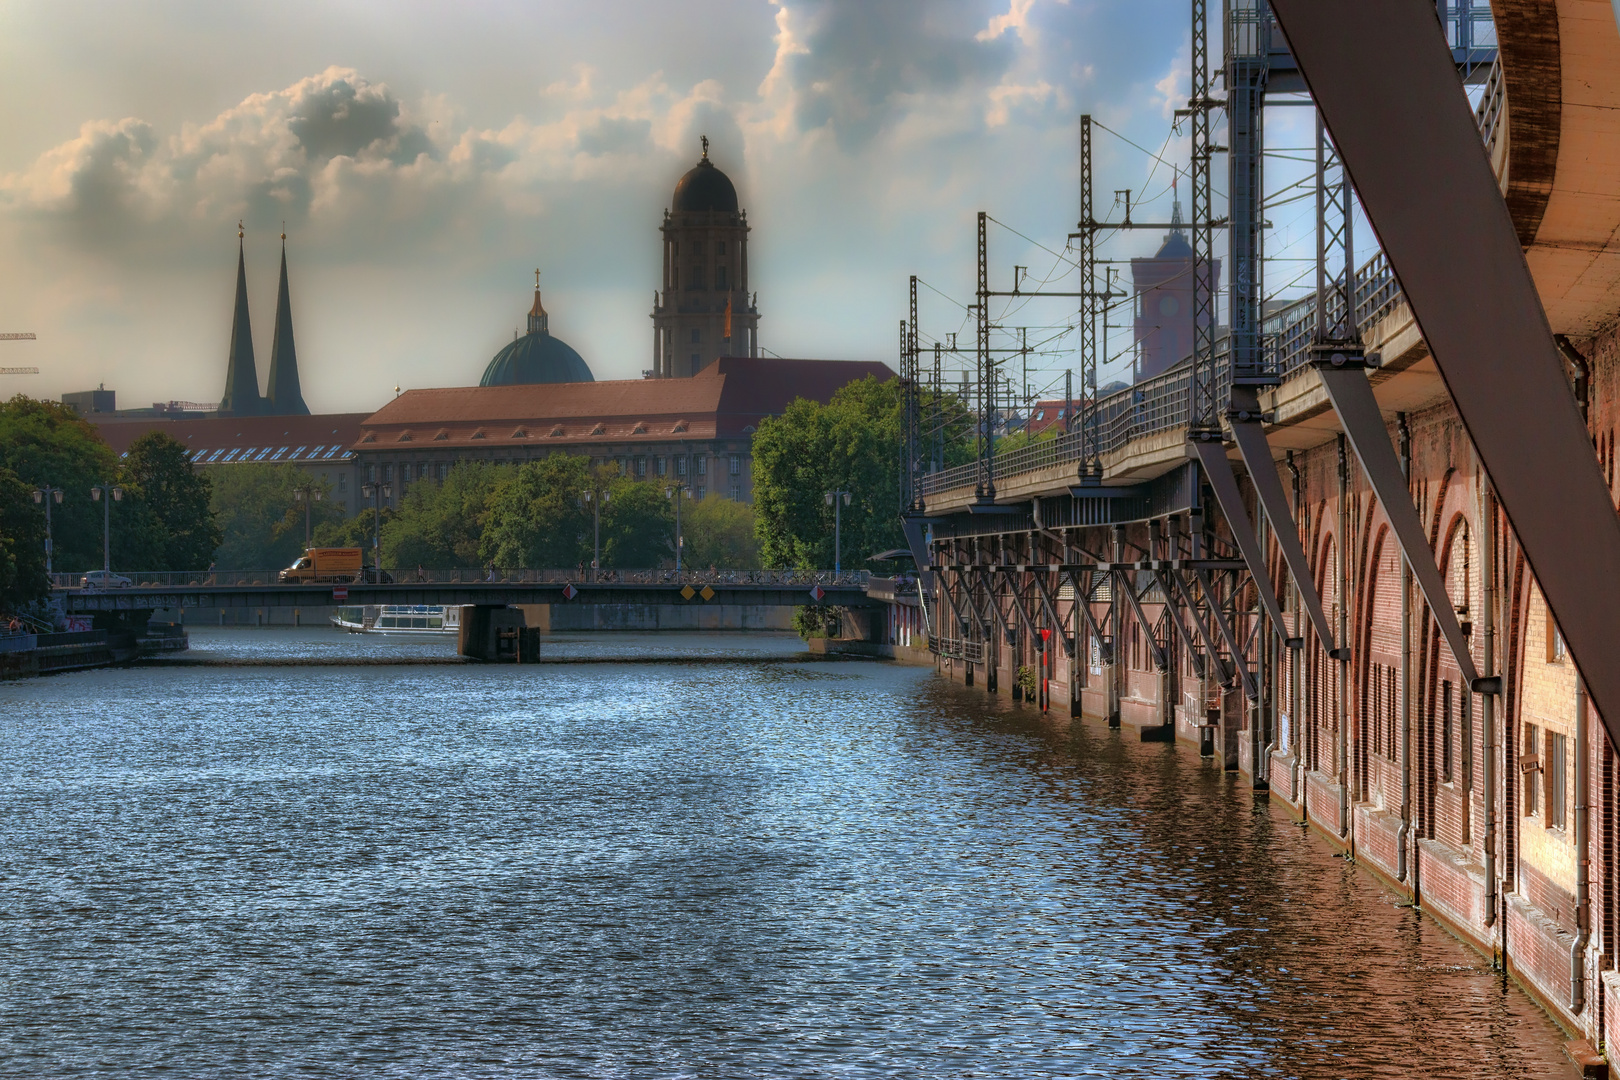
pixel 1352 398
pixel 1212 455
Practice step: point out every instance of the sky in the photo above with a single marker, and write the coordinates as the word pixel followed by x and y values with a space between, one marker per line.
pixel 426 158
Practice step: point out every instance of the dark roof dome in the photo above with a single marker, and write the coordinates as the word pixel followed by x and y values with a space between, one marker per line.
pixel 536 357
pixel 704 188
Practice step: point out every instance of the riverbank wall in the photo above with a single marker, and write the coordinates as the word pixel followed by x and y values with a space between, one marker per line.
pixel 1496 814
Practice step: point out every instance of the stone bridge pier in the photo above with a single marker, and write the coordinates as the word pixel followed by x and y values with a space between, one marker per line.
pixel 497 634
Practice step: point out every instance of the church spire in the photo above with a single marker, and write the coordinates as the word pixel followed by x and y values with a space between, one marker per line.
pixel 539 321
pixel 284 397
pixel 241 396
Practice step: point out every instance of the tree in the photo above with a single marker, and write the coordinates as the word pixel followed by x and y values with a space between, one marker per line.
pixel 22 544
pixel 638 525
pixel 260 519
pixel 44 443
pixel 441 523
pixel 536 515
pixel 719 533
pixel 850 444
pixel 170 506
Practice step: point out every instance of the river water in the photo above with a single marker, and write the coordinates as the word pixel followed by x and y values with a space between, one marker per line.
pixel 679 856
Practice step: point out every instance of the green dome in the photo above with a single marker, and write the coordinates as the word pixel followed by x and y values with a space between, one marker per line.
pixel 536 358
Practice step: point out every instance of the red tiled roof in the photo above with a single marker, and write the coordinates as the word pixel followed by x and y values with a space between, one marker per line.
pixel 285 437
pixel 722 400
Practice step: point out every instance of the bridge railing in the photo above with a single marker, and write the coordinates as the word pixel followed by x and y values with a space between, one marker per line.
pixel 471 575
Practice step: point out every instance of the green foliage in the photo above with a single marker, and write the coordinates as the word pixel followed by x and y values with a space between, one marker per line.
pixel 43 443
pixel 22 544
pixel 167 507
pixel 440 524
pixel 1025 681
pixel 261 519
pixel 356 531
pixel 817 622
pixel 536 517
pixel 850 444
pixel 1019 439
pixel 638 525
pixel 719 533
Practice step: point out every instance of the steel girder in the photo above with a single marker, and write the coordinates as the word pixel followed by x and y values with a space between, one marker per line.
pixel 1386 84
pixel 1212 455
pixel 1353 399
pixel 1251 443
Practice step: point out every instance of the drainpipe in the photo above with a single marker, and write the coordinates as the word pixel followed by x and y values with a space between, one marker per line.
pixel 1295 713
pixel 1583 374
pixel 1404 836
pixel 1583 888
pixel 1341 737
pixel 1487 575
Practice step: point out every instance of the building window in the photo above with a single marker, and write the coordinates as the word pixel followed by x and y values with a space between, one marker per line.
pixel 720 277
pixel 1555 642
pixel 661 464
pixel 695 278
pixel 388 473
pixel 680 466
pixel 343 482
pixel 736 464
pixel 1554 768
pixel 697 362
pixel 697 336
pixel 1447 730
pixel 719 247
pixel 736 493
pixel 703 466
pixel 674 277
pixel 641 466
pixel 1530 765
pixel 444 470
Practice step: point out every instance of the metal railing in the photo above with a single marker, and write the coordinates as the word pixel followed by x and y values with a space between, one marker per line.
pixel 957 649
pixel 473 575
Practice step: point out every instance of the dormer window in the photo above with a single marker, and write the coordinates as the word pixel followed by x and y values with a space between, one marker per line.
pixel 520 433
pixel 680 426
pixel 599 429
pixel 479 434
pixel 556 431
pixel 640 428
pixel 441 436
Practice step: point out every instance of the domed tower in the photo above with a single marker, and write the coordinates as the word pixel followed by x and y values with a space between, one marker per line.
pixel 536 357
pixel 704 310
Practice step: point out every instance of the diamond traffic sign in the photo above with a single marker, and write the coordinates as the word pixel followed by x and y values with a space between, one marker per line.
pixel 687 593
pixel 817 592
pixel 707 593
pixel 569 592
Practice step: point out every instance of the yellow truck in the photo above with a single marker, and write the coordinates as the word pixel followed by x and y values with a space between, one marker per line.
pixel 325 564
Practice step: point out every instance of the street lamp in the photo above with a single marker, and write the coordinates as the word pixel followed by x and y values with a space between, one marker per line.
pixel 838 526
pixel 676 490
pixel 96 493
pixel 596 500
pixel 377 493
pixel 48 495
pixel 307 494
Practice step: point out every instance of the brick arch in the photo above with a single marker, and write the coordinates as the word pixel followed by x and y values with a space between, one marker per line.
pixel 1378 677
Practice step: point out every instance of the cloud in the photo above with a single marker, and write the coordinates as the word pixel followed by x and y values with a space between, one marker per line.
pixel 1016 19
pixel 851 66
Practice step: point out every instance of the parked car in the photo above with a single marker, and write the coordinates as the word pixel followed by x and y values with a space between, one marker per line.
pixel 373 576
pixel 104 579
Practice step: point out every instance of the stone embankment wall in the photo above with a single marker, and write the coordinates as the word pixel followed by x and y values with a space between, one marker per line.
pixel 1393 770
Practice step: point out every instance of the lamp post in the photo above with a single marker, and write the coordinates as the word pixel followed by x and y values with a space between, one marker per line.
pixel 377 492
pixel 677 489
pixel 595 499
pixel 307 494
pixel 833 498
pixel 106 495
pixel 48 495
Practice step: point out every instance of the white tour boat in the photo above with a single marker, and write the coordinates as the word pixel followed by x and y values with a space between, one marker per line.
pixel 399 619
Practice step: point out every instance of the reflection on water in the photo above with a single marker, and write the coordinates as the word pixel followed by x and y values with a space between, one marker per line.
pixel 726 869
